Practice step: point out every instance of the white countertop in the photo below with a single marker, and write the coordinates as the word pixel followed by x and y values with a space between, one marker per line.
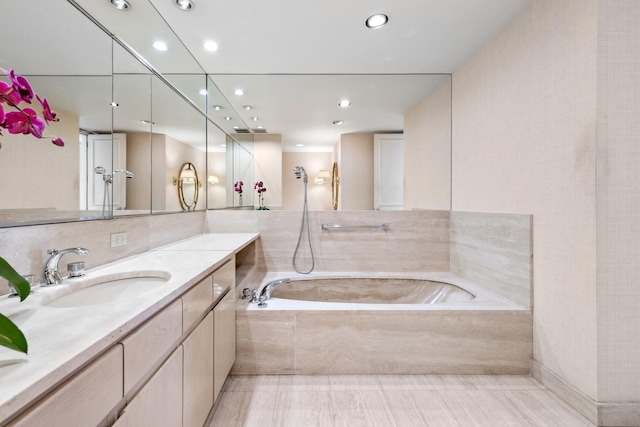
pixel 61 340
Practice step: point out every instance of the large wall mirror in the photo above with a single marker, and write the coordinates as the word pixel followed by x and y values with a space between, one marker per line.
pixel 130 116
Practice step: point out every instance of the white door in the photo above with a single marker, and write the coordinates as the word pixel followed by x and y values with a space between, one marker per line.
pixel 388 171
pixel 108 152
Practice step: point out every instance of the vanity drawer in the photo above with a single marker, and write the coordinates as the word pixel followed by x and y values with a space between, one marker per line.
pixel 144 347
pixel 196 302
pixel 84 400
pixel 224 278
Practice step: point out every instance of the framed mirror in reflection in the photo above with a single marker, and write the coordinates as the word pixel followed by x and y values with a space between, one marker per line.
pixel 189 185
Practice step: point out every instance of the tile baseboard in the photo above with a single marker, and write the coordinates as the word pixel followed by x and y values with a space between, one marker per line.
pixel 620 414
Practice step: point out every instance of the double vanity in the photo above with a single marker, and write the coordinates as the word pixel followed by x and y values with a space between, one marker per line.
pixel 146 340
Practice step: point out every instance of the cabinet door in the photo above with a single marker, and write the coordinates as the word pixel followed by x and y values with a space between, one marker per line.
pixel 198 374
pixel 144 346
pixel 224 340
pixel 84 400
pixel 196 302
pixel 159 402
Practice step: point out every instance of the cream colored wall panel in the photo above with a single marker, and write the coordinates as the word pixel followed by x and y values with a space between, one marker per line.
pixel 356 171
pixel 427 151
pixel 224 337
pixel 155 338
pixel 618 205
pixel 318 196
pixel 198 374
pixel 524 142
pixel 159 403
pixel 267 167
pixel 196 302
pixel 84 400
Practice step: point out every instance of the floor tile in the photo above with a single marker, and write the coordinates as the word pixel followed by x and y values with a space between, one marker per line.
pixel 303 408
pixel 539 408
pixel 478 408
pixel 419 408
pixel 360 408
pixel 304 383
pixel 252 383
pixel 454 382
pixel 245 409
pixel 405 382
pixel 354 382
pixel 505 382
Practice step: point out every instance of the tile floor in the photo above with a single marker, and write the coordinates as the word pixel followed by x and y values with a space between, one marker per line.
pixel 390 400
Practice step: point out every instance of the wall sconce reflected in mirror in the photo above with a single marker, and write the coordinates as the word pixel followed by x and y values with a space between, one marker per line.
pixel 212 180
pixel 323 177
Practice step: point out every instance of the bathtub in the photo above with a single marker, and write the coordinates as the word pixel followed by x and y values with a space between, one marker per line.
pixel 349 323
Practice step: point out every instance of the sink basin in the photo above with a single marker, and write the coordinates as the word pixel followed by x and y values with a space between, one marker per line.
pixel 106 289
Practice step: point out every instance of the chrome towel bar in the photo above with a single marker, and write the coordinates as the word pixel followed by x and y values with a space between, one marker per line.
pixel 383 226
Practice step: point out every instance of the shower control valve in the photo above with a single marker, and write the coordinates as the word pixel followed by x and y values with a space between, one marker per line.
pixel 246 293
pixel 263 302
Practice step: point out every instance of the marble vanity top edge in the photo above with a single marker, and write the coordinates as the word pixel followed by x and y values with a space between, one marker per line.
pixel 64 340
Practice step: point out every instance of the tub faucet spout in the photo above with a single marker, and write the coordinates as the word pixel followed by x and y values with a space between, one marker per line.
pixel 50 274
pixel 265 293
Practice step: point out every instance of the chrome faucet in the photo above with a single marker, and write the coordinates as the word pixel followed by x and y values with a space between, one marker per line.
pixel 50 274
pixel 265 293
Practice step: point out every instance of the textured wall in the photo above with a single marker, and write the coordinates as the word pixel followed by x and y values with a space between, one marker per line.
pixel 427 151
pixel 524 139
pixel 618 207
pixel 318 196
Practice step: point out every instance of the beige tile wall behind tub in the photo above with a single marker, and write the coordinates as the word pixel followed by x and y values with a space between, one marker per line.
pixel 416 241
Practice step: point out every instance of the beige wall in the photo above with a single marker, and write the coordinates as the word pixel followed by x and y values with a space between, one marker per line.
pixel 216 193
pixel 318 196
pixel 618 201
pixel 51 174
pixel 524 115
pixel 356 171
pixel 545 122
pixel 267 152
pixel 427 151
pixel 138 155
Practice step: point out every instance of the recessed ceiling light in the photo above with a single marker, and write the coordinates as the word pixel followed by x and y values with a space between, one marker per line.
pixel 338 122
pixel 185 4
pixel 255 119
pixel 211 46
pixel 236 127
pixel 147 122
pixel 217 107
pixel 299 145
pixel 238 92
pixel 120 4
pixel 344 103
pixel 227 118
pixel 259 127
pixel 203 92
pixel 377 20
pixel 247 107
pixel 113 104
pixel 160 45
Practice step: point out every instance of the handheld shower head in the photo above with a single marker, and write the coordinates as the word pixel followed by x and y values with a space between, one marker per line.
pixel 299 172
pixel 126 173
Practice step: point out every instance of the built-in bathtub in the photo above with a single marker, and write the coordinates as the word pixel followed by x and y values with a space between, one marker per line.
pixel 432 323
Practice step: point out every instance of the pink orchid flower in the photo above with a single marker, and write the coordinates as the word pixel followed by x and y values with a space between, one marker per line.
pixel 47 112
pixel 58 141
pixel 25 122
pixel 22 88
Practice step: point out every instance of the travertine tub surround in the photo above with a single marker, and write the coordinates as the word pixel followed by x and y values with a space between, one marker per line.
pixel 487 335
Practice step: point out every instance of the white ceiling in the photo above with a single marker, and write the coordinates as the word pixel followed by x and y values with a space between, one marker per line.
pixel 294 59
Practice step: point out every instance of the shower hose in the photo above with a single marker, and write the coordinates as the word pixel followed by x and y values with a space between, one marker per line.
pixel 305 219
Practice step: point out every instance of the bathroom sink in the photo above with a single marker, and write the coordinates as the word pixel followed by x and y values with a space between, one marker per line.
pixel 107 289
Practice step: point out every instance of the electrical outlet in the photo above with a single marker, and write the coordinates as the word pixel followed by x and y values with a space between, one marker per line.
pixel 118 239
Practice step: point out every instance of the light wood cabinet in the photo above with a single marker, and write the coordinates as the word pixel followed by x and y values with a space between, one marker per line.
pixel 198 373
pixel 159 403
pixel 144 347
pixel 224 340
pixel 84 400
pixel 196 302
pixel 224 278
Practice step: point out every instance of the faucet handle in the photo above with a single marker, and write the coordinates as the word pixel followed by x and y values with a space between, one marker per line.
pixel 52 251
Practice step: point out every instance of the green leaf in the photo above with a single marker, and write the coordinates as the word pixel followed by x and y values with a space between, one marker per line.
pixel 21 285
pixel 11 336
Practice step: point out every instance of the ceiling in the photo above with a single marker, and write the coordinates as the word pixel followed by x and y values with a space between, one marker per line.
pixel 295 59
